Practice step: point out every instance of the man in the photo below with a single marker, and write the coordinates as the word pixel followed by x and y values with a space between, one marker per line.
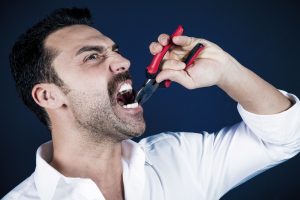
pixel 73 77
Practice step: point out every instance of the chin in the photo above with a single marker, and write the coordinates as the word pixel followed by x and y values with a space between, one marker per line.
pixel 136 130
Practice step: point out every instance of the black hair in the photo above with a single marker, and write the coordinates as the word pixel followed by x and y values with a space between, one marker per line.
pixel 31 61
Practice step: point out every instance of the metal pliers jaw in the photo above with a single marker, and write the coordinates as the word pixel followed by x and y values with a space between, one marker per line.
pixel 150 85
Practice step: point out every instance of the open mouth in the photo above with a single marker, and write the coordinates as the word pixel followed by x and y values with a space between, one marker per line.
pixel 126 96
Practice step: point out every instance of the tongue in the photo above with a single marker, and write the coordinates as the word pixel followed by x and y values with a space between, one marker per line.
pixel 126 97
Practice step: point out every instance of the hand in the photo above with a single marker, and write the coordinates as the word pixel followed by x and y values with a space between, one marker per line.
pixel 213 66
pixel 208 69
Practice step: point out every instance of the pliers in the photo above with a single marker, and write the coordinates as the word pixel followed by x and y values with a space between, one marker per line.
pixel 150 85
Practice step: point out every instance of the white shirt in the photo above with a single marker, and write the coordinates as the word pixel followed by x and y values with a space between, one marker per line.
pixel 178 165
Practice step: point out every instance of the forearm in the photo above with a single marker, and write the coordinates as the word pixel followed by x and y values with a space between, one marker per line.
pixel 252 92
pixel 216 67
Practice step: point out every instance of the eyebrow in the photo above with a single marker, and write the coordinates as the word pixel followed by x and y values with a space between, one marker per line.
pixel 99 49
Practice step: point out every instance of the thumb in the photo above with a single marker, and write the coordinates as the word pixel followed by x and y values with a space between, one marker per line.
pixel 183 41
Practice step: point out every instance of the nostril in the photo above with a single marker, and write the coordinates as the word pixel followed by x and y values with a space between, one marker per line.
pixel 121 68
pixel 116 68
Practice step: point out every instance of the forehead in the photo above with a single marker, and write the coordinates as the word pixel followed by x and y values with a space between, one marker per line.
pixel 74 37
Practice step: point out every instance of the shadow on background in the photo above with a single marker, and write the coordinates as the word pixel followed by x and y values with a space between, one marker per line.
pixel 262 35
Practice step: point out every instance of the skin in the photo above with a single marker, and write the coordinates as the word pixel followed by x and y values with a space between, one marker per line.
pixel 87 127
pixel 214 66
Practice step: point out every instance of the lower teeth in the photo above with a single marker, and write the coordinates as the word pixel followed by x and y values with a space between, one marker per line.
pixel 133 105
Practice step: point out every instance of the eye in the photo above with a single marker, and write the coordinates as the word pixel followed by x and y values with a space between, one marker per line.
pixel 116 50
pixel 93 56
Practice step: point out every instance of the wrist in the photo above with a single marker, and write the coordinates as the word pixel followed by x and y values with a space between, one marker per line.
pixel 231 74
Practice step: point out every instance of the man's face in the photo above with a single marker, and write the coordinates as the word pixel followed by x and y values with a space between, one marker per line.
pixel 94 72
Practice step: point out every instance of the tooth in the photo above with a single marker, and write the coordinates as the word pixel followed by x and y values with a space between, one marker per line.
pixel 125 86
pixel 133 105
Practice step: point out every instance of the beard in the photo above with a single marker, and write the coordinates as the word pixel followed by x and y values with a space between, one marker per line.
pixel 100 116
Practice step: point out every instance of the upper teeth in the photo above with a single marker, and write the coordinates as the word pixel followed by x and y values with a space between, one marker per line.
pixel 125 86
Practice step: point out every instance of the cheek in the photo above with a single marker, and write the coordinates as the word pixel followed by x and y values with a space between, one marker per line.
pixel 87 102
pixel 84 80
pixel 88 92
pixel 89 84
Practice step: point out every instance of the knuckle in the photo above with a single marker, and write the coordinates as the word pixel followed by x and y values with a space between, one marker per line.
pixel 190 40
pixel 173 62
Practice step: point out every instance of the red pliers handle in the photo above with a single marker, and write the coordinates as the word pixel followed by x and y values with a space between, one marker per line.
pixel 150 85
pixel 153 69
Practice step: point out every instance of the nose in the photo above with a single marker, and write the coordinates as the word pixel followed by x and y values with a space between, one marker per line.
pixel 119 65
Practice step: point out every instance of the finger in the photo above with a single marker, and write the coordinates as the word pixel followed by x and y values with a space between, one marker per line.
pixel 183 40
pixel 173 64
pixel 179 76
pixel 155 48
pixel 211 52
pixel 187 41
pixel 163 39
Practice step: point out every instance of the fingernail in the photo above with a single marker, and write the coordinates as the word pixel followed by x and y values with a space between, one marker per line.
pixel 163 40
pixel 175 39
pixel 158 47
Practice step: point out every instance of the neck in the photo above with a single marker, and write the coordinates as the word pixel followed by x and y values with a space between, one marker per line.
pixel 75 155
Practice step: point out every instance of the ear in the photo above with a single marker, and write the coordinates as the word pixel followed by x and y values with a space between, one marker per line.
pixel 47 95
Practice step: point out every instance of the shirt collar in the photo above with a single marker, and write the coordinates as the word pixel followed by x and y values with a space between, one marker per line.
pixel 47 178
pixel 133 169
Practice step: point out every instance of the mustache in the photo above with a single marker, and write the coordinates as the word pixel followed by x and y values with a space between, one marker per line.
pixel 115 81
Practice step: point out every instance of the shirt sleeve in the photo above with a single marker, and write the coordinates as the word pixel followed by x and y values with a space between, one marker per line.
pixel 237 153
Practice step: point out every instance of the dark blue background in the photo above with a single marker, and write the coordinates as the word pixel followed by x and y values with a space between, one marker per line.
pixel 262 35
